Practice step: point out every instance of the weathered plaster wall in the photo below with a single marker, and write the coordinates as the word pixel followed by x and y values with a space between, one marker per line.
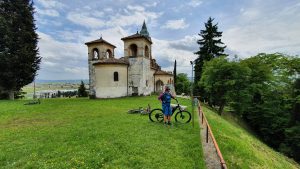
pixel 141 43
pixel 166 79
pixel 105 86
pixel 139 76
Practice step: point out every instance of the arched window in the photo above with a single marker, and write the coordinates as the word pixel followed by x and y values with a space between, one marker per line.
pixel 116 76
pixel 133 50
pixel 146 51
pixel 159 86
pixel 95 54
pixel 108 53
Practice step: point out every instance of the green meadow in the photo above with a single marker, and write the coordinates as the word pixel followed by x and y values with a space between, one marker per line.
pixel 83 133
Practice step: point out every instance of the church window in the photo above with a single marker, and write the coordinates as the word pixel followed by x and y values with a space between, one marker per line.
pixel 95 54
pixel 116 76
pixel 108 53
pixel 133 50
pixel 146 51
pixel 147 83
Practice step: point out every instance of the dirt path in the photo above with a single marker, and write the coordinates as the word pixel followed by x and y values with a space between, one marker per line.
pixel 212 160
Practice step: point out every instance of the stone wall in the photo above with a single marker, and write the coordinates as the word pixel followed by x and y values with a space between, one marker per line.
pixel 139 76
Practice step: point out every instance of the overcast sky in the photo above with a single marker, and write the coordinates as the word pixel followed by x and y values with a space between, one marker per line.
pixel 249 27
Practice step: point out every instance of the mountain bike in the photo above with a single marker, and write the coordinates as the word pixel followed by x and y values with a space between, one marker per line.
pixel 140 110
pixel 182 116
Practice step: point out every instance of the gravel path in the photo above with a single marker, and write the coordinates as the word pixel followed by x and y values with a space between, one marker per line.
pixel 212 160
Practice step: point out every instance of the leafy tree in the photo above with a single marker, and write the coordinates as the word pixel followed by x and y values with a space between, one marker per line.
pixel 272 112
pixel 223 80
pixel 296 102
pixel 19 60
pixel 264 90
pixel 183 84
pixel 210 46
pixel 82 90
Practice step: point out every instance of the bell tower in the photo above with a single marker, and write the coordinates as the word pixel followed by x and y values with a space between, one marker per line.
pixel 98 51
pixel 137 50
pixel 138 44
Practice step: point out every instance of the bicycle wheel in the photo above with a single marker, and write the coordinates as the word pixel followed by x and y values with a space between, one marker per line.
pixel 156 115
pixel 183 116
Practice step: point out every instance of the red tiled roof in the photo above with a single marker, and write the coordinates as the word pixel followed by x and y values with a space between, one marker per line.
pixel 137 35
pixel 100 41
pixel 111 61
pixel 161 72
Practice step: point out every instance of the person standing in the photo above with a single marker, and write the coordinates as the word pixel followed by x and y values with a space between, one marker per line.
pixel 165 99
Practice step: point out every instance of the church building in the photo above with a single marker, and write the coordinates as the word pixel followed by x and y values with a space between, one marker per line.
pixel 136 73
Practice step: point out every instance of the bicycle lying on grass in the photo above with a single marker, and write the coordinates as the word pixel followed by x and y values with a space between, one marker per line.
pixel 140 110
pixel 181 115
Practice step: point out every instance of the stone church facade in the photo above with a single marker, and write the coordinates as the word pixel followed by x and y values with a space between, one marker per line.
pixel 136 73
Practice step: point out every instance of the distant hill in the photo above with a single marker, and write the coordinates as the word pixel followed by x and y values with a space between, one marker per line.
pixel 86 81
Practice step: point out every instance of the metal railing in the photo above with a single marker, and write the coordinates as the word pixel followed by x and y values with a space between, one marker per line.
pixel 209 132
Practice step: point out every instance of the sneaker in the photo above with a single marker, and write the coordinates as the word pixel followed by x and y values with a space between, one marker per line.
pixel 169 123
pixel 165 123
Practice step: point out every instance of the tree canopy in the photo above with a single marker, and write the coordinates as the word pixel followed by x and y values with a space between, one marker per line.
pixel 264 91
pixel 19 59
pixel 210 46
pixel 82 90
pixel 183 84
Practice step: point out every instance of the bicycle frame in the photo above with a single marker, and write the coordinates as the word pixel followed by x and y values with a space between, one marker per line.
pixel 176 107
pixel 157 114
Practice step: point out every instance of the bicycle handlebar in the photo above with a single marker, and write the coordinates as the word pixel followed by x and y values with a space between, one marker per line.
pixel 176 100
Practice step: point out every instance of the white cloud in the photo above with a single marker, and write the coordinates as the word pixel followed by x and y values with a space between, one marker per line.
pixel 134 17
pixel 108 9
pixel 47 12
pixel 250 14
pixel 135 8
pixel 131 15
pixel 50 4
pixel 112 35
pixel 195 3
pixel 164 51
pixel 76 70
pixel 175 24
pixel 49 64
pixel 57 55
pixel 71 35
pixel 85 19
pixel 257 26
pixel 262 29
pixel 153 4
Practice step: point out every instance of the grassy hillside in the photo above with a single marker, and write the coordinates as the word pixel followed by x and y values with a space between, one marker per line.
pixel 241 149
pixel 82 133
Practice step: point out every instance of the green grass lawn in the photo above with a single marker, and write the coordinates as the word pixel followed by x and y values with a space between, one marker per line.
pixel 241 149
pixel 83 133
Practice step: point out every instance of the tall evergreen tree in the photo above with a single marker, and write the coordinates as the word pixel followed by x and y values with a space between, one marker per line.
pixel 211 47
pixel 175 75
pixel 82 90
pixel 19 59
